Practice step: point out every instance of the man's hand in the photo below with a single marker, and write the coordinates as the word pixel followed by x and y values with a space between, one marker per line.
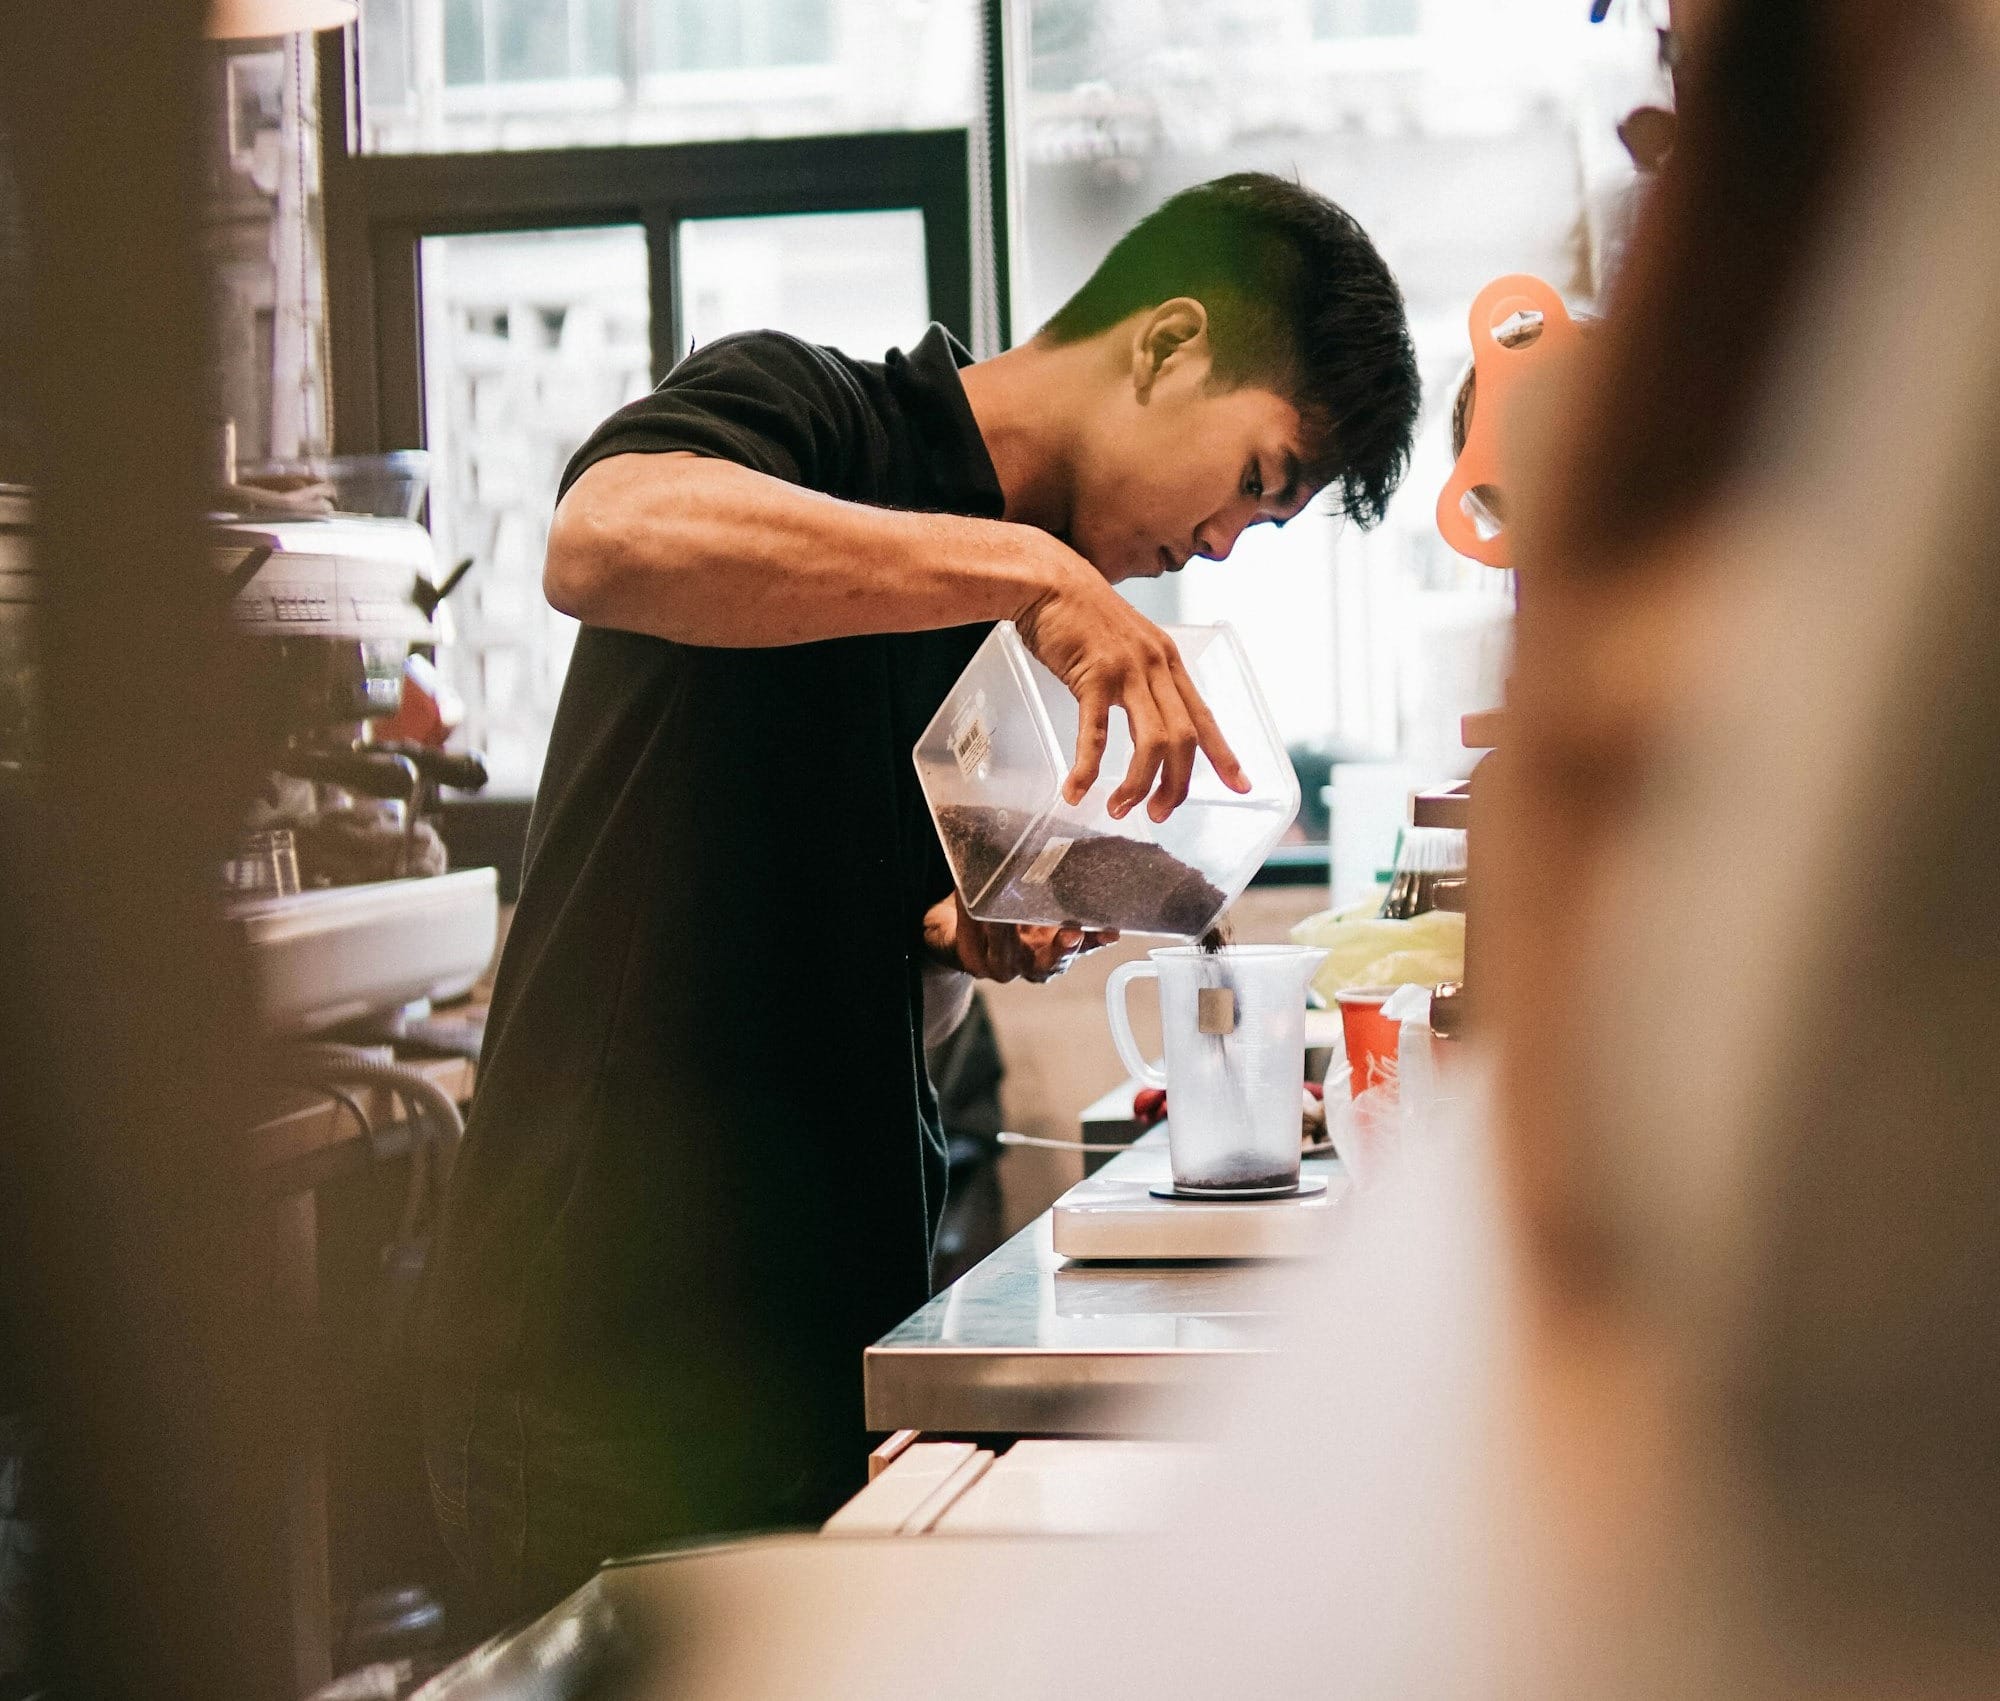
pixel 1110 655
pixel 1001 951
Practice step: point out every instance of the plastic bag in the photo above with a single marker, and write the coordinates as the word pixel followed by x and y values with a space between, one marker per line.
pixel 1364 950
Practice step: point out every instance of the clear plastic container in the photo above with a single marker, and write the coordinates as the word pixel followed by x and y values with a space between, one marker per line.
pixel 992 764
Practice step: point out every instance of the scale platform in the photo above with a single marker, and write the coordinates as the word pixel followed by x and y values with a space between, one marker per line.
pixel 1116 1216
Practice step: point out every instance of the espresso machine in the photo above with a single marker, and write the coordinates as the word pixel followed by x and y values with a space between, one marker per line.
pixel 329 609
pixel 356 915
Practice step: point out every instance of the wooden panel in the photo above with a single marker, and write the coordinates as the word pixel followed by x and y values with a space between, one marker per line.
pixel 909 1487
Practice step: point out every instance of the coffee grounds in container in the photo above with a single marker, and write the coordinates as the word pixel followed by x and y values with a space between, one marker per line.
pixel 1126 883
pixel 1101 881
pixel 1240 1173
pixel 979 840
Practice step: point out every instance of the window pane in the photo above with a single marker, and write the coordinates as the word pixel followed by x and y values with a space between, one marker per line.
pixel 696 35
pixel 530 39
pixel 854 280
pixel 1470 140
pixel 801 32
pixel 386 57
pixel 530 339
pixel 598 23
pixel 1332 18
pixel 1064 33
pixel 693 36
pixel 451 75
pixel 464 41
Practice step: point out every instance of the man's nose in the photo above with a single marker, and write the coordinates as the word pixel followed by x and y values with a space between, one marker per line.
pixel 1214 539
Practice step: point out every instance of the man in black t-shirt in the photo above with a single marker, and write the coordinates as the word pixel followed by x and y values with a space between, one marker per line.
pixel 704 1169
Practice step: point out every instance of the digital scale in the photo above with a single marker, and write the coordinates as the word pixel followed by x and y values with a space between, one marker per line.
pixel 1127 1212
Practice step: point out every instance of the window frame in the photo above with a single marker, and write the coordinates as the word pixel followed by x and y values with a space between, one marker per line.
pixel 379 207
pixel 506 98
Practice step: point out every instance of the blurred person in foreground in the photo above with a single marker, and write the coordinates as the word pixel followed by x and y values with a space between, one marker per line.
pixel 704 1168
pixel 1676 1375
pixel 1747 961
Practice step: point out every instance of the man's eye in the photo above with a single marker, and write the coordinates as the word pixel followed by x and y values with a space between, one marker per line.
pixel 1253 483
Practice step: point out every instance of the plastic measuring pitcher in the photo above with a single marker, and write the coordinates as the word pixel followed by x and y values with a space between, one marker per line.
pixel 1235 1027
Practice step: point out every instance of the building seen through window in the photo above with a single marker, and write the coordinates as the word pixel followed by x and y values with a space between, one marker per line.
pixel 455 76
pixel 697 35
pixel 511 41
pixel 488 41
pixel 855 280
pixel 1332 19
pixel 530 339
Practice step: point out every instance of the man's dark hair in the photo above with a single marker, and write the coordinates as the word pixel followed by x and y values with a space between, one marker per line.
pixel 1298 301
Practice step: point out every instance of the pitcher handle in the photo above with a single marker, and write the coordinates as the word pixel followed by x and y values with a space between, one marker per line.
pixel 1122 1037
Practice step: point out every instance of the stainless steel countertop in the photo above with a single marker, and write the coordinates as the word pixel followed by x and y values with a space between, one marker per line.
pixel 1029 1343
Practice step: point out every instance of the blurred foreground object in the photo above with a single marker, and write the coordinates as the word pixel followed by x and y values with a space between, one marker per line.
pixel 1749 1119
pixel 1524 346
pixel 135 1294
pixel 1521 336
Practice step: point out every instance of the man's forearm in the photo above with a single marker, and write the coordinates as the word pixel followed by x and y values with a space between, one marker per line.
pixel 707 552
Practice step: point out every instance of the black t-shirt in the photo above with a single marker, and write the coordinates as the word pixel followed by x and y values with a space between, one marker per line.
pixel 704 1165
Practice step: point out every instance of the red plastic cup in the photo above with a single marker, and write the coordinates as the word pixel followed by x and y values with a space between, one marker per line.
pixel 1372 1040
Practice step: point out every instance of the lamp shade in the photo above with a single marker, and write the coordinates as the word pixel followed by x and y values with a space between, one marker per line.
pixel 236 20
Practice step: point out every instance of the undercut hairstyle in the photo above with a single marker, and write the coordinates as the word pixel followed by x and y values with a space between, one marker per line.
pixel 1298 302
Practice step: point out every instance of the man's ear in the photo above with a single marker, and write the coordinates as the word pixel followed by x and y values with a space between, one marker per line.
pixel 1174 331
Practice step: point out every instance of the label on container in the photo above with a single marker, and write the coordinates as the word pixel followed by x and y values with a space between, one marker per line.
pixel 1215 1010
pixel 1047 860
pixel 970 743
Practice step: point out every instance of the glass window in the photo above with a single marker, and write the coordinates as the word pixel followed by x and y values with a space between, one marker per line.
pixel 854 280
pixel 1063 49
pixel 385 66
pixel 520 41
pixel 474 75
pixel 1334 19
pixel 1477 141
pixel 464 42
pixel 698 35
pixel 530 339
